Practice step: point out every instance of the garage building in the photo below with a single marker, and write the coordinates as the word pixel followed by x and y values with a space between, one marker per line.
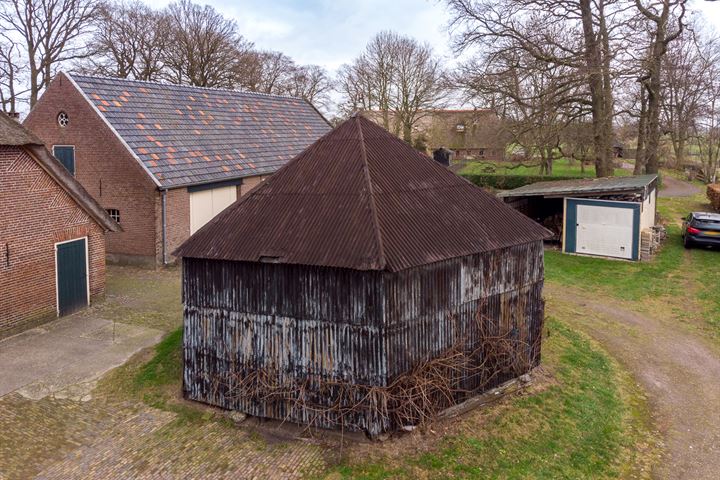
pixel 608 217
pixel 52 234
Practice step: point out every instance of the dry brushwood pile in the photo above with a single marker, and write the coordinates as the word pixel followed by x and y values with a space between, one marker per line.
pixel 415 398
pixel 713 193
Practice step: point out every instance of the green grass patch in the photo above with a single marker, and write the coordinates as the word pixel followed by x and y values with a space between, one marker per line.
pixel 582 427
pixel 166 366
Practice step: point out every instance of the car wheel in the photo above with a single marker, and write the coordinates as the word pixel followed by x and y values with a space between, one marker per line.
pixel 686 242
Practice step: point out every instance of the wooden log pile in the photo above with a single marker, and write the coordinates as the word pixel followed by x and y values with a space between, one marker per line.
pixel 713 194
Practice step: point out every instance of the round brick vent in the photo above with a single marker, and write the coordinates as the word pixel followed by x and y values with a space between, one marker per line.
pixel 63 119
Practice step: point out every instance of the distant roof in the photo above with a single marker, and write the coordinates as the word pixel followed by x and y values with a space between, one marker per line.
pixel 363 199
pixel 15 135
pixel 189 135
pixel 583 186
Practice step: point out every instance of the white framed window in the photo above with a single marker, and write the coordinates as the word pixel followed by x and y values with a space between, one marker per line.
pixel 114 214
pixel 63 119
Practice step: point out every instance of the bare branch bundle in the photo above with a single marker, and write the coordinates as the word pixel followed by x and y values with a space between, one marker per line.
pixel 474 363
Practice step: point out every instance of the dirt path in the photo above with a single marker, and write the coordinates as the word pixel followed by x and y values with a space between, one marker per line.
pixel 677 188
pixel 679 371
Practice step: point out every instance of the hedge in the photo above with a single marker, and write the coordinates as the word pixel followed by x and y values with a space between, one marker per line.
pixel 713 193
pixel 509 182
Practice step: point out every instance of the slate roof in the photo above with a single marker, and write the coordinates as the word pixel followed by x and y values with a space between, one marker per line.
pixel 587 186
pixel 363 199
pixel 190 135
pixel 13 134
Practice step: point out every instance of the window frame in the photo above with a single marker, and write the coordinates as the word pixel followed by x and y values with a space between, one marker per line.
pixel 110 214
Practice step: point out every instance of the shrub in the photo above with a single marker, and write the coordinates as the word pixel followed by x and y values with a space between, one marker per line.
pixel 509 182
pixel 713 193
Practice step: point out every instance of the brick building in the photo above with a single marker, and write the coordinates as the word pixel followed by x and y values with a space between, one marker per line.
pixel 52 234
pixel 470 133
pixel 165 159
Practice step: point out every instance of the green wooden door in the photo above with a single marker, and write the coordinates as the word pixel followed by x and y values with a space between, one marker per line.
pixel 71 276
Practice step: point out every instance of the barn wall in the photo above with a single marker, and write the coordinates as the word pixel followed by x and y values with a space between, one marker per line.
pixel 306 322
pixel 336 324
pixel 432 308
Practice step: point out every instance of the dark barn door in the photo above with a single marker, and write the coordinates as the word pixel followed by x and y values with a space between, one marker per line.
pixel 71 276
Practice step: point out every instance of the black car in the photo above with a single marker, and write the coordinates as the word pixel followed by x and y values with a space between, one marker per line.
pixel 701 229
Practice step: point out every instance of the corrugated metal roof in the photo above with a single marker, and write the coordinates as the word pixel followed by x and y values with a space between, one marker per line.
pixel 187 135
pixel 361 198
pixel 584 186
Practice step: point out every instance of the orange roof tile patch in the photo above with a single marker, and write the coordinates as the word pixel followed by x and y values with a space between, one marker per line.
pixel 241 155
pixel 197 132
pixel 238 166
pixel 206 158
pixel 157 125
pixel 179 111
pixel 105 102
pixel 228 156
pixel 155 156
pixel 194 153
pixel 227 169
pixel 221 126
pixel 218 157
pixel 143 150
pixel 96 96
pixel 150 138
pixel 141 115
pixel 192 99
pixel 101 108
pixel 153 163
pixel 159 144
pixel 172 149
pixel 144 90
pixel 251 164
pixel 126 93
pixel 189 107
pixel 201 112
pixel 140 126
pixel 123 98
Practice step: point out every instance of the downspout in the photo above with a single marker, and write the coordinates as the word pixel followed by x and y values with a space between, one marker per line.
pixel 164 226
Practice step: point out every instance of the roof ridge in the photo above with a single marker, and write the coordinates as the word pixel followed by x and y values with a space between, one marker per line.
pixel 371 194
pixel 195 87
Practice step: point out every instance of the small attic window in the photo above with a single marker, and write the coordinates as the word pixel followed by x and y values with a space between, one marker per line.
pixel 63 119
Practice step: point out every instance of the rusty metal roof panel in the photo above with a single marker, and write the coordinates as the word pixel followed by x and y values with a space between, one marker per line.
pixel 187 135
pixel 361 198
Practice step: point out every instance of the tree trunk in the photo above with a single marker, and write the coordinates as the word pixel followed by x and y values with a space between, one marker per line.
pixel 642 131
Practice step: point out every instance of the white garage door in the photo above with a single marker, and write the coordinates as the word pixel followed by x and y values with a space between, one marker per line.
pixel 606 231
pixel 205 204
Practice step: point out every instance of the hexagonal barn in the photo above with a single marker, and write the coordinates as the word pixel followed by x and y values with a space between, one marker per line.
pixel 364 286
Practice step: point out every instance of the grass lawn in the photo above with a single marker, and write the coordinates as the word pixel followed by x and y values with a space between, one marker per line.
pixel 682 284
pixel 584 423
pixel 561 168
pixel 584 420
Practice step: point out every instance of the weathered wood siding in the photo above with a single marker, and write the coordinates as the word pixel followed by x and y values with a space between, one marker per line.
pixel 364 327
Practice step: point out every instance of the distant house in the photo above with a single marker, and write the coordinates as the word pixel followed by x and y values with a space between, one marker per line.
pixel 52 234
pixel 358 261
pixel 608 217
pixel 470 133
pixel 165 159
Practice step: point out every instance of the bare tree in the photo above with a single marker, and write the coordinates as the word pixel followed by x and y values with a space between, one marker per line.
pixel 667 20
pixel 397 76
pixel 51 31
pixel 312 83
pixel 204 48
pixel 12 66
pixel 129 41
pixel 578 35
pixel 268 72
pixel 686 76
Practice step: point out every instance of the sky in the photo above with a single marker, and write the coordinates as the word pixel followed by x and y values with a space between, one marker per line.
pixel 332 32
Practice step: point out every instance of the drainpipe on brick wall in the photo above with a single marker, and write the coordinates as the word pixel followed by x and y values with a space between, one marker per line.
pixel 164 226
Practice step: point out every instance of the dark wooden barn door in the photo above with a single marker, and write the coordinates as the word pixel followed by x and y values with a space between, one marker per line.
pixel 71 267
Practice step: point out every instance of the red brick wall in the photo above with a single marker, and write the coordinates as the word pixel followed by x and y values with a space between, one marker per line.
pixel 177 222
pixel 36 213
pixel 102 165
